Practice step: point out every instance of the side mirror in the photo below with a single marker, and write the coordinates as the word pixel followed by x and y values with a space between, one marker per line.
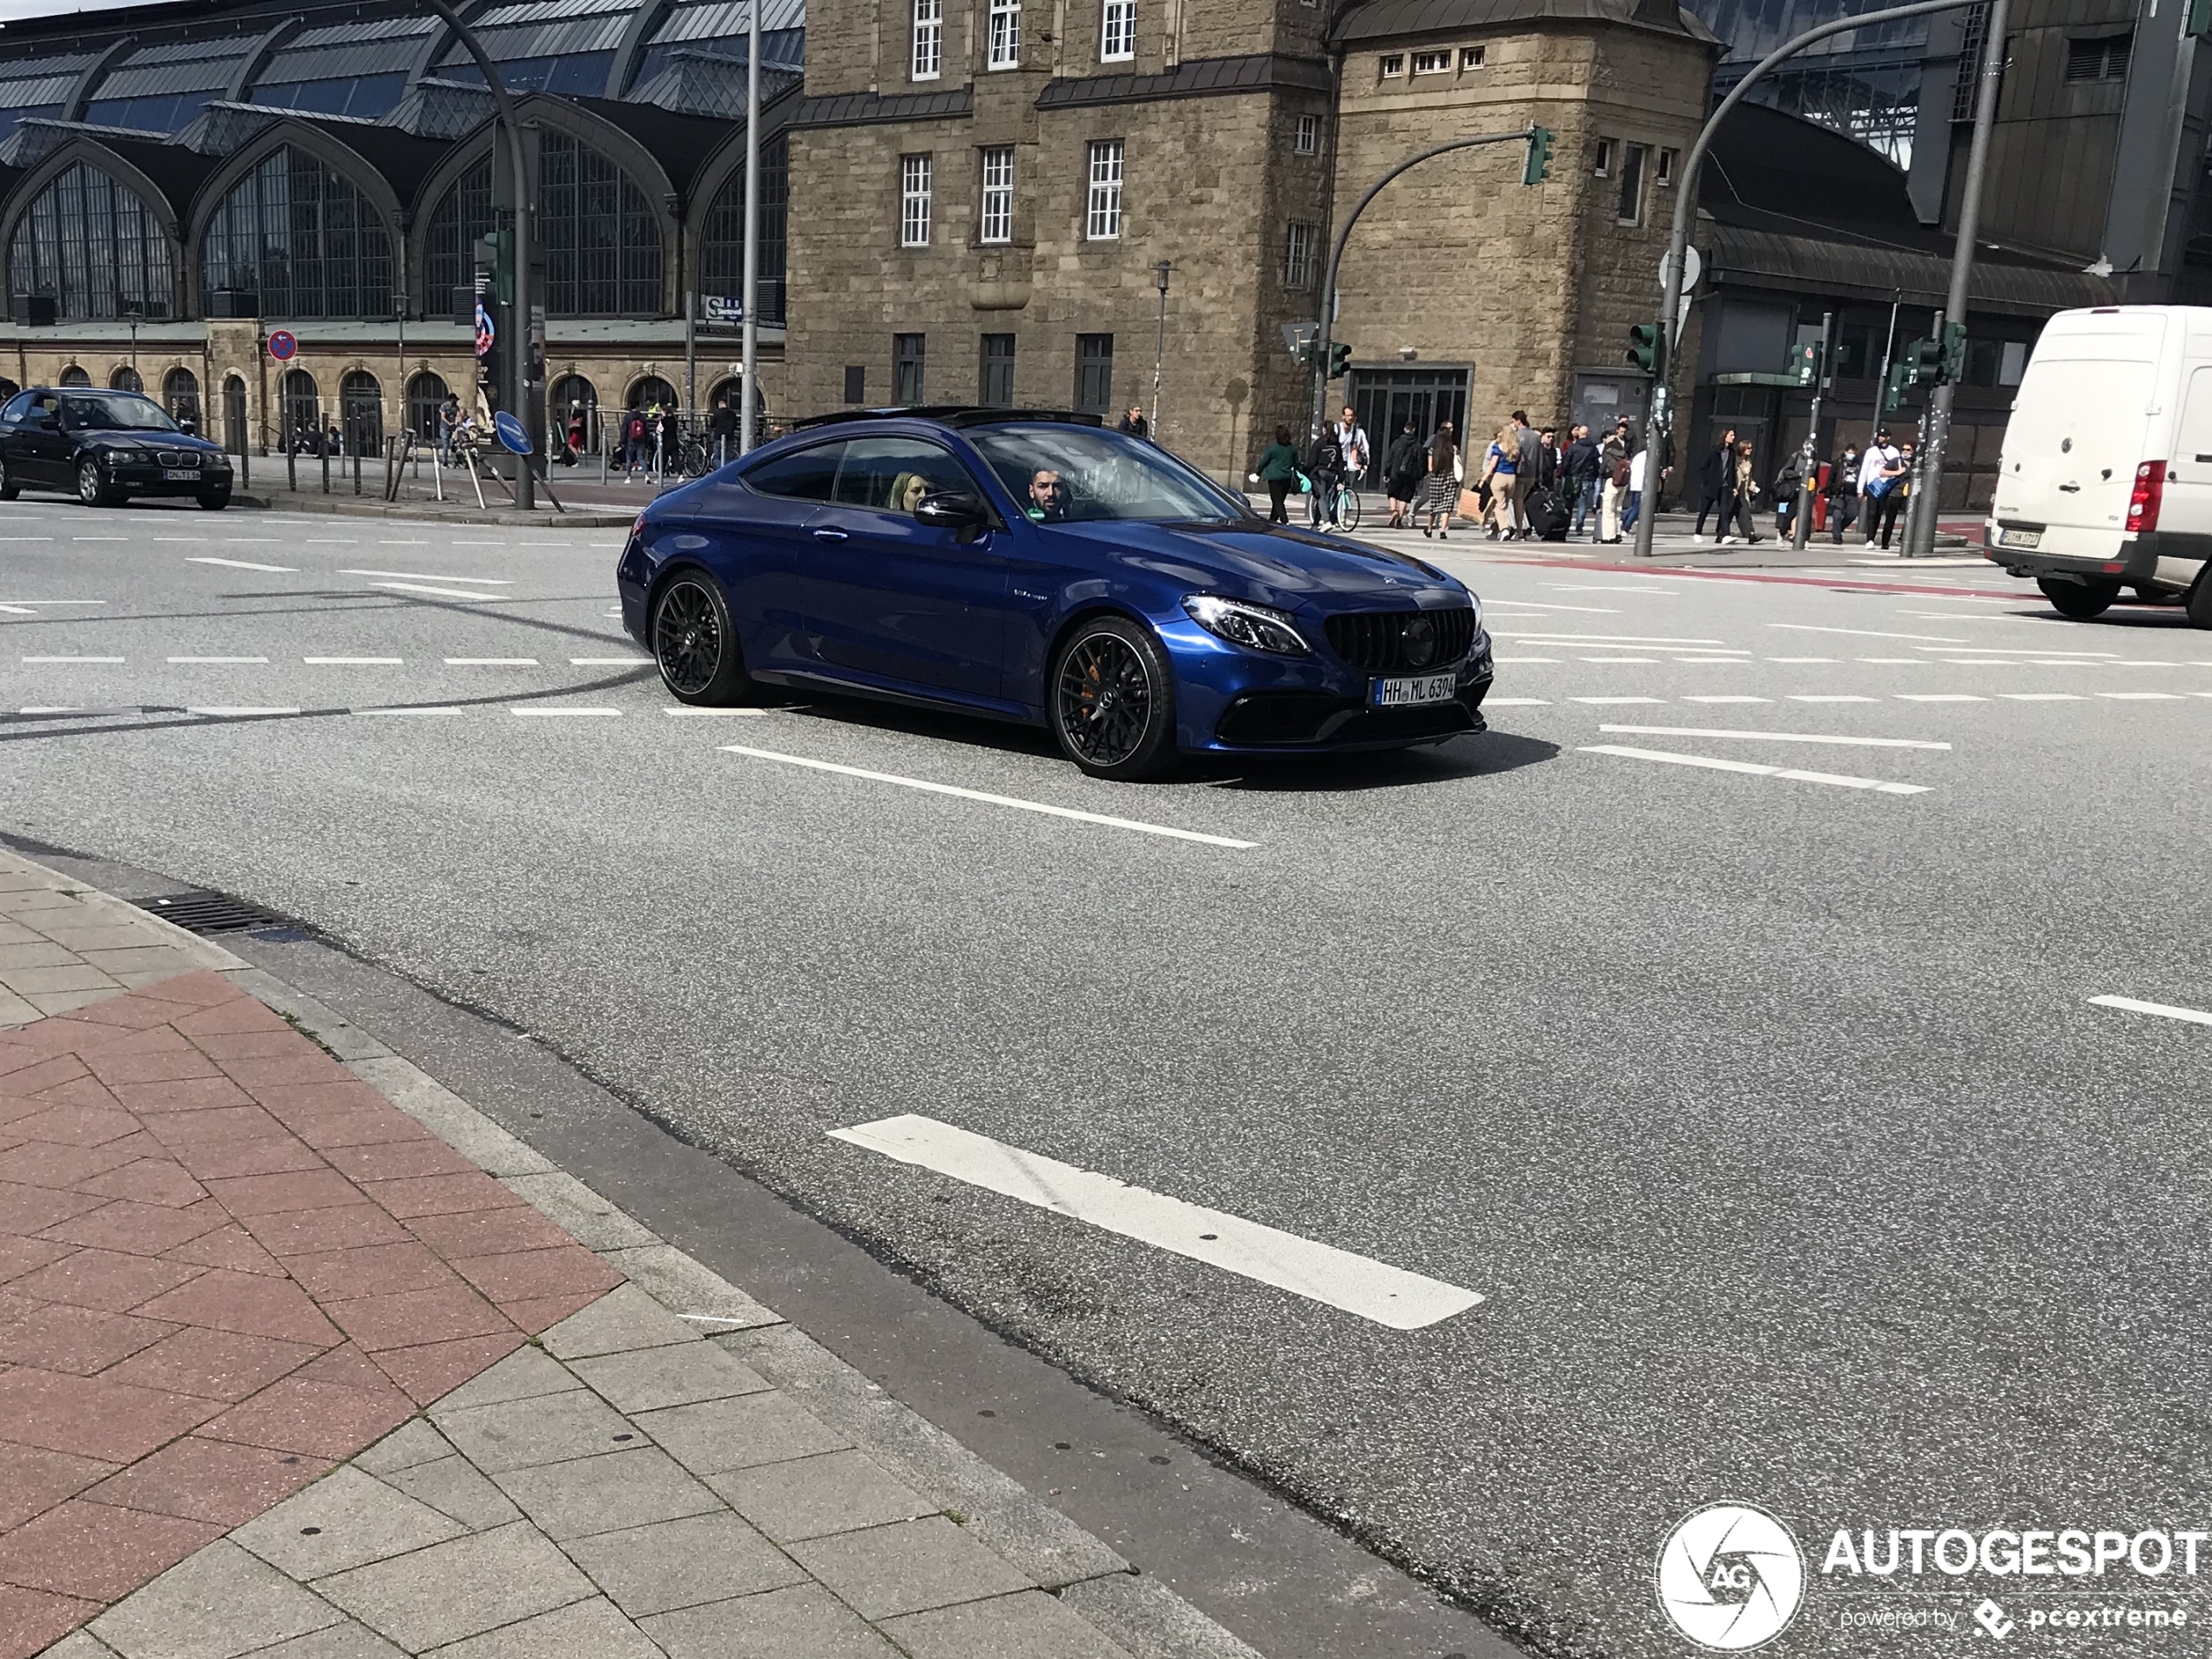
pixel 955 511
pixel 43 420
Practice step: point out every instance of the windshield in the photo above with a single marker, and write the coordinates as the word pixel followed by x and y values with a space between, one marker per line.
pixel 114 411
pixel 1081 474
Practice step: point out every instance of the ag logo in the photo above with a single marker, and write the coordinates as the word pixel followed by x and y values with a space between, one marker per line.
pixel 1730 1577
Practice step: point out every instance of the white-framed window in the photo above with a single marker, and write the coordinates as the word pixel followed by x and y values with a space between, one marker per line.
pixel 1299 244
pixel 1309 135
pixel 914 175
pixel 1391 63
pixel 1470 57
pixel 994 217
pixel 1665 172
pixel 1005 35
pixel 1432 62
pixel 929 40
pixel 1103 221
pixel 1118 34
pixel 1601 159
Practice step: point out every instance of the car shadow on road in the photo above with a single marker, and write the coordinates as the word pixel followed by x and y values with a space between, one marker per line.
pixel 1476 756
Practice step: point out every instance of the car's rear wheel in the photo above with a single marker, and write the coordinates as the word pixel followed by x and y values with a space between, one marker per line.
pixel 694 643
pixel 9 487
pixel 92 489
pixel 2200 598
pixel 2080 600
pixel 1113 701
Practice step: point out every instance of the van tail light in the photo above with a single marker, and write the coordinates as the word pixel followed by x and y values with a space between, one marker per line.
pixel 2143 500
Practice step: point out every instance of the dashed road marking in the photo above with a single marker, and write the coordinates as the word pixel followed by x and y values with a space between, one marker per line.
pixel 432 576
pixel 241 564
pixel 2164 1010
pixel 1937 697
pixel 715 714
pixel 1728 699
pixel 1836 779
pixel 1515 703
pixel 491 661
pixel 72 659
pixel 561 712
pixel 443 593
pixel 1617 699
pixel 2043 697
pixel 211 662
pixel 351 661
pixel 1777 736
pixel 2142 696
pixel 610 662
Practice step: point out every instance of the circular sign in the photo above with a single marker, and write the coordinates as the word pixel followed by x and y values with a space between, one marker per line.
pixel 513 437
pixel 282 344
pixel 1729 1577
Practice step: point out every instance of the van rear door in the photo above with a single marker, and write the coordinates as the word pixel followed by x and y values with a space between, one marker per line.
pixel 2078 430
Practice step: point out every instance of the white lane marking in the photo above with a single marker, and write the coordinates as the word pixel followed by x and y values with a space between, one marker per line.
pixel 2136 663
pixel 1939 697
pixel 72 659
pixel 988 799
pixel 2046 650
pixel 432 576
pixel 1647 662
pixel 99 538
pixel 420 710
pixel 1838 780
pixel 1579 587
pixel 1602 639
pixel 610 662
pixel 2043 697
pixel 1899 662
pixel 351 661
pixel 1978 662
pixel 443 593
pixel 331 541
pixel 218 660
pixel 566 712
pixel 1728 699
pixel 1617 699
pixel 491 661
pixel 1515 703
pixel 241 564
pixel 234 711
pixel 2068 662
pixel 253 540
pixel 2142 696
pixel 392 543
pixel 1801 659
pixel 26 538
pixel 1526 659
pixel 1776 737
pixel 2165 1010
pixel 1531 604
pixel 1709 659
pixel 1829 697
pixel 1866 633
pixel 1356 1284
pixel 716 714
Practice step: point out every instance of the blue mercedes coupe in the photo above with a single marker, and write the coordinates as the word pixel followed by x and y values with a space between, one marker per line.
pixel 1033 566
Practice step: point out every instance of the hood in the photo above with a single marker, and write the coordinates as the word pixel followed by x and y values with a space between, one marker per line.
pixel 152 440
pixel 1270 565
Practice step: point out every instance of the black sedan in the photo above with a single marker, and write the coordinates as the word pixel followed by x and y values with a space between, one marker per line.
pixel 103 447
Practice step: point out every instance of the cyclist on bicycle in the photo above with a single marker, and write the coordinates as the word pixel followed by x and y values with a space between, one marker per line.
pixel 1325 466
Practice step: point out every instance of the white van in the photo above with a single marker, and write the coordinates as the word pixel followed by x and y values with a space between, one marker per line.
pixel 2107 477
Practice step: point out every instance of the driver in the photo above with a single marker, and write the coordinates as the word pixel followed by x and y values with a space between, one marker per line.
pixel 1049 499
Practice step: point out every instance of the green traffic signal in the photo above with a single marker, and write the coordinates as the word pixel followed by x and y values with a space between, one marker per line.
pixel 1804 362
pixel 1339 360
pixel 1893 388
pixel 1643 346
pixel 1538 167
pixel 1923 362
pixel 1954 352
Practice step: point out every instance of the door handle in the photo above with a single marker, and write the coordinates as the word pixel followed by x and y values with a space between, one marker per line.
pixel 829 536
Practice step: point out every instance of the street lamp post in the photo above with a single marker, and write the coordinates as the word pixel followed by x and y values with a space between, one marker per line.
pixel 750 352
pixel 1686 206
pixel 1160 274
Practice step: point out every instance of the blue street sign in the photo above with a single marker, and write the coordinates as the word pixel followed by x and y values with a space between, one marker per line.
pixel 513 437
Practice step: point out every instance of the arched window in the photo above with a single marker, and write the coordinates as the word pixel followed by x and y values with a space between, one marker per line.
pixel 76 374
pixel 463 214
pixel 302 239
pixel 649 390
pixel 722 238
pixel 360 403
pixel 180 395
pixel 123 378
pixel 424 393
pixel 234 436
pixel 602 243
pixel 572 397
pixel 90 242
pixel 302 402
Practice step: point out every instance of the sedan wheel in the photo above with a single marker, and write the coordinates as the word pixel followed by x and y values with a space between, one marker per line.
pixel 92 489
pixel 2079 600
pixel 9 487
pixel 1113 702
pixel 695 644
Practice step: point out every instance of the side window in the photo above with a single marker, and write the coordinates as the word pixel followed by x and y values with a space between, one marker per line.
pixel 889 475
pixel 18 408
pixel 2194 448
pixel 803 474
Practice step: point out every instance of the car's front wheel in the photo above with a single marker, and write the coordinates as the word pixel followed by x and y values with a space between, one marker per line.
pixel 9 487
pixel 1113 701
pixel 2079 600
pixel 92 489
pixel 215 500
pixel 2200 598
pixel 694 643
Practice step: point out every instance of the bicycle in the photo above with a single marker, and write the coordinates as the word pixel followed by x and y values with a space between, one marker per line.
pixel 1343 508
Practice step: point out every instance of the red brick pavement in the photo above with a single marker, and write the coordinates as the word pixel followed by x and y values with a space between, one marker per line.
pixel 225 1264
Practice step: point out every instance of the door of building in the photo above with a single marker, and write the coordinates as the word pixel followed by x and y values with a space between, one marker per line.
pixel 1386 398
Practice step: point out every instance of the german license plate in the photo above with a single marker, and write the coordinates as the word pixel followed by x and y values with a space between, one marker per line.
pixel 181 475
pixel 1423 688
pixel 2009 536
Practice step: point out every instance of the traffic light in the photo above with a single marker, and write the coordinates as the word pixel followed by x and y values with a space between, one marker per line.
pixel 496 257
pixel 1538 167
pixel 1804 362
pixel 1643 346
pixel 1339 360
pixel 1923 362
pixel 1305 350
pixel 1900 376
pixel 1954 352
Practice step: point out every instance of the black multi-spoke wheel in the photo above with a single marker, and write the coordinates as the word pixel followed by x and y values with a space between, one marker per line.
pixel 1113 701
pixel 693 643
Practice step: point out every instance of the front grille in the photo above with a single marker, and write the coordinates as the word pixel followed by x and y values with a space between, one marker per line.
pixel 213 913
pixel 1401 642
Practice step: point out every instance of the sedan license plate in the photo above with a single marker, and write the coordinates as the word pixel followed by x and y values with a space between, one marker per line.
pixel 1424 688
pixel 2009 537
pixel 181 475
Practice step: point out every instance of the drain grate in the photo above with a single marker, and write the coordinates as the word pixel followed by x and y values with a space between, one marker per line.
pixel 214 912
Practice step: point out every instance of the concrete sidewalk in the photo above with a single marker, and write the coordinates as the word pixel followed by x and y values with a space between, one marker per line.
pixel 301 1355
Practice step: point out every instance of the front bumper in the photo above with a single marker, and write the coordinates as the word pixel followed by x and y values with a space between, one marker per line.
pixel 1233 701
pixel 139 479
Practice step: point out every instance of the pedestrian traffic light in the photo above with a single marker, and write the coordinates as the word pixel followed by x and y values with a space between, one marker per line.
pixel 495 258
pixel 1923 361
pixel 1538 166
pixel 1900 376
pixel 1954 352
pixel 1643 346
pixel 1804 362
pixel 1339 360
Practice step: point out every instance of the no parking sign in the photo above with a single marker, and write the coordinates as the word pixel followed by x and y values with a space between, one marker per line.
pixel 282 344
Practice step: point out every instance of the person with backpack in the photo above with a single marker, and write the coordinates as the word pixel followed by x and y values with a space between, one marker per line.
pixel 1578 476
pixel 1895 486
pixel 1843 492
pixel 1613 473
pixel 1789 483
pixel 722 431
pixel 633 440
pixel 1402 470
pixel 1878 475
pixel 1325 466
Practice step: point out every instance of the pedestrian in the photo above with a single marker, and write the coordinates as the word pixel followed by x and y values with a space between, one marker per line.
pixel 1789 484
pixel 1743 492
pixel 633 440
pixel 1876 478
pixel 1500 471
pixel 1713 482
pixel 671 440
pixel 1526 443
pixel 579 434
pixel 449 417
pixel 1402 470
pixel 1325 466
pixel 1548 459
pixel 1578 473
pixel 722 428
pixel 1443 484
pixel 1613 473
pixel 1134 423
pixel 1351 440
pixel 1843 492
pixel 1637 464
pixel 1897 476
pixel 1278 471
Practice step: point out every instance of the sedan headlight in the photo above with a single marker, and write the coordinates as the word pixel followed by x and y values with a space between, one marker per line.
pixel 122 455
pixel 1259 627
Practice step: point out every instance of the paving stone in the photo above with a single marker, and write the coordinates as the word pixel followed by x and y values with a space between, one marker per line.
pixel 82 1341
pixel 528 1374
pixel 628 1488
pixel 590 1629
pixel 682 1284
pixel 344 1640
pixel 683 1563
pixel 343 1521
pixel 452 1591
pixel 91 1417
pixel 1028 1625
pixel 622 1321
pixel 319 1419
pixel 31 1619
pixel 907 1566
pixel 404 1447
pixel 680 1374
pixel 32 1478
pixel 452 1486
pixel 78 1644
pixel 430 1371
pixel 716 1435
pixel 812 1497
pixel 211 1480
pixel 213 1364
pixel 520 1434
pixel 581 1213
pixel 449 1118
pixel 802 1622
pixel 97 1551
pixel 219 1604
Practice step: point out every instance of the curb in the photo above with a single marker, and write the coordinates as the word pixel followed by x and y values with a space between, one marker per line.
pixel 434 512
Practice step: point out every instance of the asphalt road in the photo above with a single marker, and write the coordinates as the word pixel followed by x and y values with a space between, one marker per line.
pixel 1769 1115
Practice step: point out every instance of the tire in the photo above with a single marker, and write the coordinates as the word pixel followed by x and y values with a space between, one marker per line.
pixel 92 489
pixel 2079 600
pixel 1348 511
pixel 2200 599
pixel 1111 702
pixel 216 500
pixel 10 489
pixel 694 643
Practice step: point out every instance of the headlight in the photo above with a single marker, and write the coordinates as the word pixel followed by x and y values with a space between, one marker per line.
pixel 123 455
pixel 1256 626
pixel 1475 599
